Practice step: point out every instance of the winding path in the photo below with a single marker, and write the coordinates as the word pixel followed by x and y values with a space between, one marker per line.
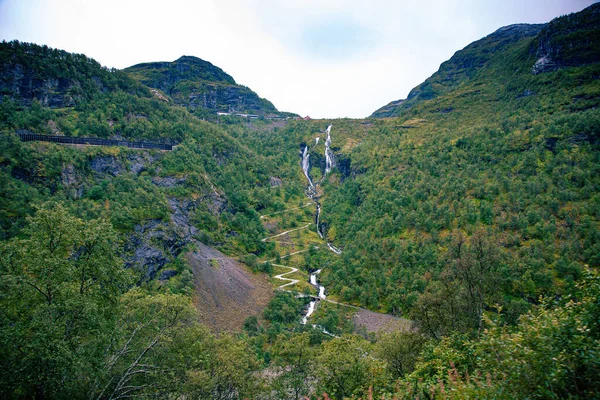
pixel 289 280
pixel 283 233
pixel 281 212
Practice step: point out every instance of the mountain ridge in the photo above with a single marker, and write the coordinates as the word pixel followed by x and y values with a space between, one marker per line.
pixel 199 85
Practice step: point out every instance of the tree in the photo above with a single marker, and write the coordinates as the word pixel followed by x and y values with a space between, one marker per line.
pixel 295 356
pixel 346 367
pixel 400 351
pixel 60 283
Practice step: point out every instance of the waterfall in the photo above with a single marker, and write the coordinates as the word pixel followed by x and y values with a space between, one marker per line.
pixel 328 152
pixel 311 309
pixel 318 216
pixel 312 194
pixel 306 167
pixel 312 305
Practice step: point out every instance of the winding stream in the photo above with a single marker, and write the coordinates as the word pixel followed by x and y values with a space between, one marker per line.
pixel 311 192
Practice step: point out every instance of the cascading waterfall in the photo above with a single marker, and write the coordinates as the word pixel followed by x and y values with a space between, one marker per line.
pixel 312 305
pixel 311 193
pixel 318 216
pixel 328 152
pixel 306 167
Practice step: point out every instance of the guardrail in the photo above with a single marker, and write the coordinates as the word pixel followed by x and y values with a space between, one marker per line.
pixel 92 141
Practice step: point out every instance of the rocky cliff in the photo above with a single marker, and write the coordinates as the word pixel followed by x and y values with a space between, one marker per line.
pixel 198 84
pixel 568 41
pixel 463 66
pixel 55 78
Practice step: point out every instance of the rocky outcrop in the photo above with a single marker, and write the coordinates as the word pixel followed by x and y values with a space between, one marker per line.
pixel 275 182
pixel 54 78
pixel 107 165
pixel 461 67
pixel 197 84
pixel 139 162
pixel 71 181
pixel 152 246
pixel 569 41
pixel 168 181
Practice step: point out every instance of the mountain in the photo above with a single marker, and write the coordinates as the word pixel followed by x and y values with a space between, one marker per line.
pixel 568 41
pixel 56 78
pixel 197 84
pixel 469 216
pixel 494 154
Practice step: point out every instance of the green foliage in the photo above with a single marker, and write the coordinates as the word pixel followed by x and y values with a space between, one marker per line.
pixel 551 353
pixel 400 351
pixel 60 286
pixel 346 368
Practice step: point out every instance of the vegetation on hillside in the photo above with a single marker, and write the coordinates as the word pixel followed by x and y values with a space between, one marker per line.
pixel 474 212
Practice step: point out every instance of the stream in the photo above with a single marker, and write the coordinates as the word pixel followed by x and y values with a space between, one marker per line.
pixel 311 193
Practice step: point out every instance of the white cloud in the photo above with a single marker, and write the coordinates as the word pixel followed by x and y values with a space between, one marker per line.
pixel 371 52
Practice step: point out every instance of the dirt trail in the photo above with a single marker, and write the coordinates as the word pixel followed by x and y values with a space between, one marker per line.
pixel 286 232
pixel 289 281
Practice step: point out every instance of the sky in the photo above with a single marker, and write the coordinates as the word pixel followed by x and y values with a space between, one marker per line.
pixel 322 58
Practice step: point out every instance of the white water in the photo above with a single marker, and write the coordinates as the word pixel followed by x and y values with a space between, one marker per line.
pixel 334 249
pixel 311 193
pixel 311 309
pixel 318 216
pixel 306 167
pixel 328 152
pixel 313 281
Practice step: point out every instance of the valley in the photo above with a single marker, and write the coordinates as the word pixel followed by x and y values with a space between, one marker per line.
pixel 447 246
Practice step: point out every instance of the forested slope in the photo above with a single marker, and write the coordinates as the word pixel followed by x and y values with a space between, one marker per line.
pixel 484 195
pixel 473 210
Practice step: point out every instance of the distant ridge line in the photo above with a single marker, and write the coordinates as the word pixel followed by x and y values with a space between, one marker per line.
pixel 92 141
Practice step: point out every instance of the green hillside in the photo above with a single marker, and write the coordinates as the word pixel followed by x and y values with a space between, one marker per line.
pixel 469 212
pixel 490 180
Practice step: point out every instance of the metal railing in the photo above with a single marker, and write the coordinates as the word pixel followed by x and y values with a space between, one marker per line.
pixel 92 141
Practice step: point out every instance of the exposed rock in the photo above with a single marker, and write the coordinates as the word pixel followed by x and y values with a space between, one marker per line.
pixel 152 246
pixel 70 180
pixel 167 274
pixel 181 216
pixel 568 41
pixel 140 161
pixel 195 83
pixel 54 128
pixel 151 259
pixel 544 64
pixel 168 181
pixel 159 95
pixel 107 165
pixel 275 182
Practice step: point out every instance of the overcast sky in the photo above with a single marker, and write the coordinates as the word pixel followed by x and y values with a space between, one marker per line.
pixel 323 58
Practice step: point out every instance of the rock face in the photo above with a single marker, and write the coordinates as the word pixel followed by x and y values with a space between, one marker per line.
pixel 568 41
pixel 54 78
pixel 107 165
pixel 463 66
pixel 197 84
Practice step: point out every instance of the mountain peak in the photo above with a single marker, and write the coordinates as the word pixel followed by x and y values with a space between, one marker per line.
pixel 199 85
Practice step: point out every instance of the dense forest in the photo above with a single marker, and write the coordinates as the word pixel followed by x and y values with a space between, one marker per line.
pixel 471 209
